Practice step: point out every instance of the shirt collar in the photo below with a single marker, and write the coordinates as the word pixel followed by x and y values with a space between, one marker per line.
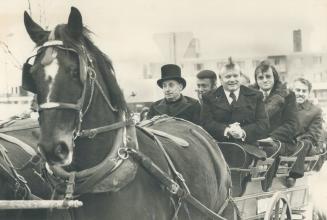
pixel 263 92
pixel 236 92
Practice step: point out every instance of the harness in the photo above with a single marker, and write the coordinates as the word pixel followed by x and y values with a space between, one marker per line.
pixel 79 182
pixel 17 182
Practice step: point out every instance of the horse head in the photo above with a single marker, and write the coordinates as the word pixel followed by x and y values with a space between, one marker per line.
pixel 74 84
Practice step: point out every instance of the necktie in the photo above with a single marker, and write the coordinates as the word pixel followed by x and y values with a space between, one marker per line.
pixel 233 96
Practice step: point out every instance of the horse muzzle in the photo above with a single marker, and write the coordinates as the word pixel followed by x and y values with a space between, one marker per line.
pixel 58 153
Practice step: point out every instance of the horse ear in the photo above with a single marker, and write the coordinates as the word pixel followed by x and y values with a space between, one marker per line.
pixel 75 24
pixel 35 31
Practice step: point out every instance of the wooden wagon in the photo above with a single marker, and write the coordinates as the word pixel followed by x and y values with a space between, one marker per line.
pixel 256 200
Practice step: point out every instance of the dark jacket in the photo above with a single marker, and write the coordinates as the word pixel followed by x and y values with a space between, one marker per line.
pixel 310 122
pixel 249 111
pixel 186 108
pixel 281 109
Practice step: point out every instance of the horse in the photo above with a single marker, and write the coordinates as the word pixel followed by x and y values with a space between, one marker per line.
pixel 20 168
pixel 96 153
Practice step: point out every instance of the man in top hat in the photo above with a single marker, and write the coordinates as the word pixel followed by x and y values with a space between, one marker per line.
pixel 174 103
pixel 234 112
pixel 206 80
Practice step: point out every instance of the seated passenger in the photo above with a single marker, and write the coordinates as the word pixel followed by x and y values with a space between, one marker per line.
pixel 234 112
pixel 280 105
pixel 309 117
pixel 174 103
pixel 206 80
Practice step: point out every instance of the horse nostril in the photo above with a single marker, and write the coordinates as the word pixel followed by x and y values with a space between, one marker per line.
pixel 61 151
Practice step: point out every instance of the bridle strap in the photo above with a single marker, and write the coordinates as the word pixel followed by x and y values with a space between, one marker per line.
pixel 59 105
pixel 91 133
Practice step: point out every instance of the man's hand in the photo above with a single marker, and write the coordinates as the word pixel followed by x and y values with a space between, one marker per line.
pixel 236 131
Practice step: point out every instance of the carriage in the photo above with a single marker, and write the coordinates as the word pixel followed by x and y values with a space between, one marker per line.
pixel 256 200
pixel 115 161
pixel 250 194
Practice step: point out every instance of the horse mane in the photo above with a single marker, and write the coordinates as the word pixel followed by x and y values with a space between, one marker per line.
pixel 101 60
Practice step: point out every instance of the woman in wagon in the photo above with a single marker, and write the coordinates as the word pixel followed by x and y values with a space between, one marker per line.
pixel 280 106
pixel 174 103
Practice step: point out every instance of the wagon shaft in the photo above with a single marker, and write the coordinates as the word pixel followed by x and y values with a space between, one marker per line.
pixel 39 204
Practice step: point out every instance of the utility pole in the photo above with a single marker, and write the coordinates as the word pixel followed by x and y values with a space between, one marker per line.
pixel 29 7
pixel 174 48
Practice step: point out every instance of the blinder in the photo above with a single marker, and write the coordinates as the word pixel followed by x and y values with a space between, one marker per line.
pixel 27 81
pixel 85 70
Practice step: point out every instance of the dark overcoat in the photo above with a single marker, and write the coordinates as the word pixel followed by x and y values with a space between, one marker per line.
pixel 281 109
pixel 249 111
pixel 310 122
pixel 186 108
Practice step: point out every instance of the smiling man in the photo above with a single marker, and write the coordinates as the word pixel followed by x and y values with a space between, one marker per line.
pixel 234 112
pixel 309 128
pixel 174 103
pixel 206 80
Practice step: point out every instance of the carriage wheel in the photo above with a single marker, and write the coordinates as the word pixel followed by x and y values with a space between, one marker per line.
pixel 279 208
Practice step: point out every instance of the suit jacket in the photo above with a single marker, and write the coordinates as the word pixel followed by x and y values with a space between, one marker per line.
pixel 310 122
pixel 249 111
pixel 186 108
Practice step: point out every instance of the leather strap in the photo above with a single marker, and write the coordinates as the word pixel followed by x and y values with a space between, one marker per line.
pixel 91 133
pixel 170 184
pixel 27 148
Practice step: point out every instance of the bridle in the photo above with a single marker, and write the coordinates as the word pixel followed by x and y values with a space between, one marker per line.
pixel 87 76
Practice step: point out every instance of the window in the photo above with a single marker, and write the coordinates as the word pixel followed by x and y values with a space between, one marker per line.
pixel 199 66
pixel 276 61
pixel 317 60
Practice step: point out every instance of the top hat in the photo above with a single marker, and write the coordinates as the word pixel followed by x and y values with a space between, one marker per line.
pixel 171 72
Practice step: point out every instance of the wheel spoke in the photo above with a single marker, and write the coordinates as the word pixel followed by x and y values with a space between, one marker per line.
pixel 283 213
pixel 279 208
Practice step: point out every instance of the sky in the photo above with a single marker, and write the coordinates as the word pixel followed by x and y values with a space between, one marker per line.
pixel 124 29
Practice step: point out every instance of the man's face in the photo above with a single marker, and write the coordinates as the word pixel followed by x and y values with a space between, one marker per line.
pixel 204 85
pixel 172 89
pixel 301 92
pixel 230 79
pixel 265 80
